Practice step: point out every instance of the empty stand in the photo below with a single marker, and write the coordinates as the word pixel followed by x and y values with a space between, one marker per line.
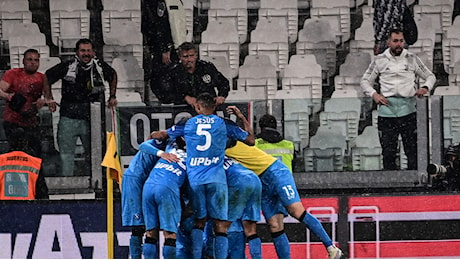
pixel 352 70
pixel 337 12
pixel 126 40
pixel 25 36
pixel 298 82
pixel 286 13
pixel 188 7
pixel 440 12
pixel 451 112
pixel 454 77
pixel 235 11
pixel 12 12
pixel 130 74
pixel 426 39
pixel 257 78
pixel 451 46
pixel 317 38
pixel 326 150
pixel 297 121
pixel 120 10
pixel 221 39
pixel 265 42
pixel 69 22
pixel 364 40
pixel 343 114
pixel 366 153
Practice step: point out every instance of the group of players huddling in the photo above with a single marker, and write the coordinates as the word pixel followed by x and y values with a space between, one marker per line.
pixel 204 184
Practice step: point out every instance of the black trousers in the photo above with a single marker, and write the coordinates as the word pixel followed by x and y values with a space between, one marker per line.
pixel 389 130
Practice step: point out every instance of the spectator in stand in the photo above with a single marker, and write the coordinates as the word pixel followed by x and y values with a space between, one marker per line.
pixel 84 79
pixel 396 69
pixel 388 15
pixel 272 142
pixel 164 28
pixel 23 88
pixel 193 76
pixel 21 177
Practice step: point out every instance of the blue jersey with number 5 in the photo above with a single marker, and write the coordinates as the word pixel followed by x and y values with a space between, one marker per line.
pixel 206 138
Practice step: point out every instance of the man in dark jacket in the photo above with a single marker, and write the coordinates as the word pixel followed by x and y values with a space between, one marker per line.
pixel 192 77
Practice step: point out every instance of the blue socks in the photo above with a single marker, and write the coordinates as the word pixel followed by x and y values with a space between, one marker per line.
pixel 135 247
pixel 316 227
pixel 197 242
pixel 221 246
pixel 255 247
pixel 281 242
pixel 169 252
pixel 150 248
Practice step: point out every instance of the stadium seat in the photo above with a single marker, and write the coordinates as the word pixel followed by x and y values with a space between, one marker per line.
pixel 297 121
pixel 337 12
pixel 12 12
pixel 188 6
pixel 326 150
pixel 120 10
pixel 126 40
pixel 257 79
pixel 235 11
pixel 451 111
pixel 454 77
pixel 130 74
pixel 364 40
pixel 69 22
pixel 440 12
pixel 221 39
pixel 343 114
pixel 316 38
pixel 366 153
pixel 25 36
pixel 301 83
pixel 265 42
pixel 451 46
pixel 426 39
pixel 287 13
pixel 352 70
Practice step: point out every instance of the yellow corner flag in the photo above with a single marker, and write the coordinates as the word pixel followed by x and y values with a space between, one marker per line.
pixel 112 159
pixel 112 162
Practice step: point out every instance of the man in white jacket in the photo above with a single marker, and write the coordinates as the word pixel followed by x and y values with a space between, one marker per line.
pixel 397 69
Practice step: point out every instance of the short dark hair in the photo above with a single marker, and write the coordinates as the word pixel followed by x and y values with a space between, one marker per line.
pixel 83 41
pixel 31 51
pixel 186 46
pixel 267 121
pixel 394 30
pixel 206 100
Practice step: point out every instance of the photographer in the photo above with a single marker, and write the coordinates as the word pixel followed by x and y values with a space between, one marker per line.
pixel 446 177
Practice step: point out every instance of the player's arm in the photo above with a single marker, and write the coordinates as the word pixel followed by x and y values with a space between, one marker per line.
pixel 149 148
pixel 160 135
pixel 250 139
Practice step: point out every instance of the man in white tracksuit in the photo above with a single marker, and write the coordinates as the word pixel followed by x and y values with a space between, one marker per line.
pixel 397 69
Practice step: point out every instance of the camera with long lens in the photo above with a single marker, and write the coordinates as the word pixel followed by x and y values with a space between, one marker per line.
pixel 446 176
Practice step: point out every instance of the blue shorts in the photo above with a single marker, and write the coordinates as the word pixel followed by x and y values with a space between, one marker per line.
pixel 161 207
pixel 210 200
pixel 278 190
pixel 131 201
pixel 244 198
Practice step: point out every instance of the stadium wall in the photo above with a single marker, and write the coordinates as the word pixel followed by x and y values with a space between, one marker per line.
pixel 410 226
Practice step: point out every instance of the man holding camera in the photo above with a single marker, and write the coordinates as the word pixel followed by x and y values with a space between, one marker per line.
pixel 447 175
pixel 23 88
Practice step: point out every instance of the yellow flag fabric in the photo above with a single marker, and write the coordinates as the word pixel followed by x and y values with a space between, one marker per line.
pixel 112 159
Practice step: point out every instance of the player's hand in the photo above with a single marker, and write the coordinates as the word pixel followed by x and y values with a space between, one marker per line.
pixel 219 100
pixel 234 110
pixel 170 157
